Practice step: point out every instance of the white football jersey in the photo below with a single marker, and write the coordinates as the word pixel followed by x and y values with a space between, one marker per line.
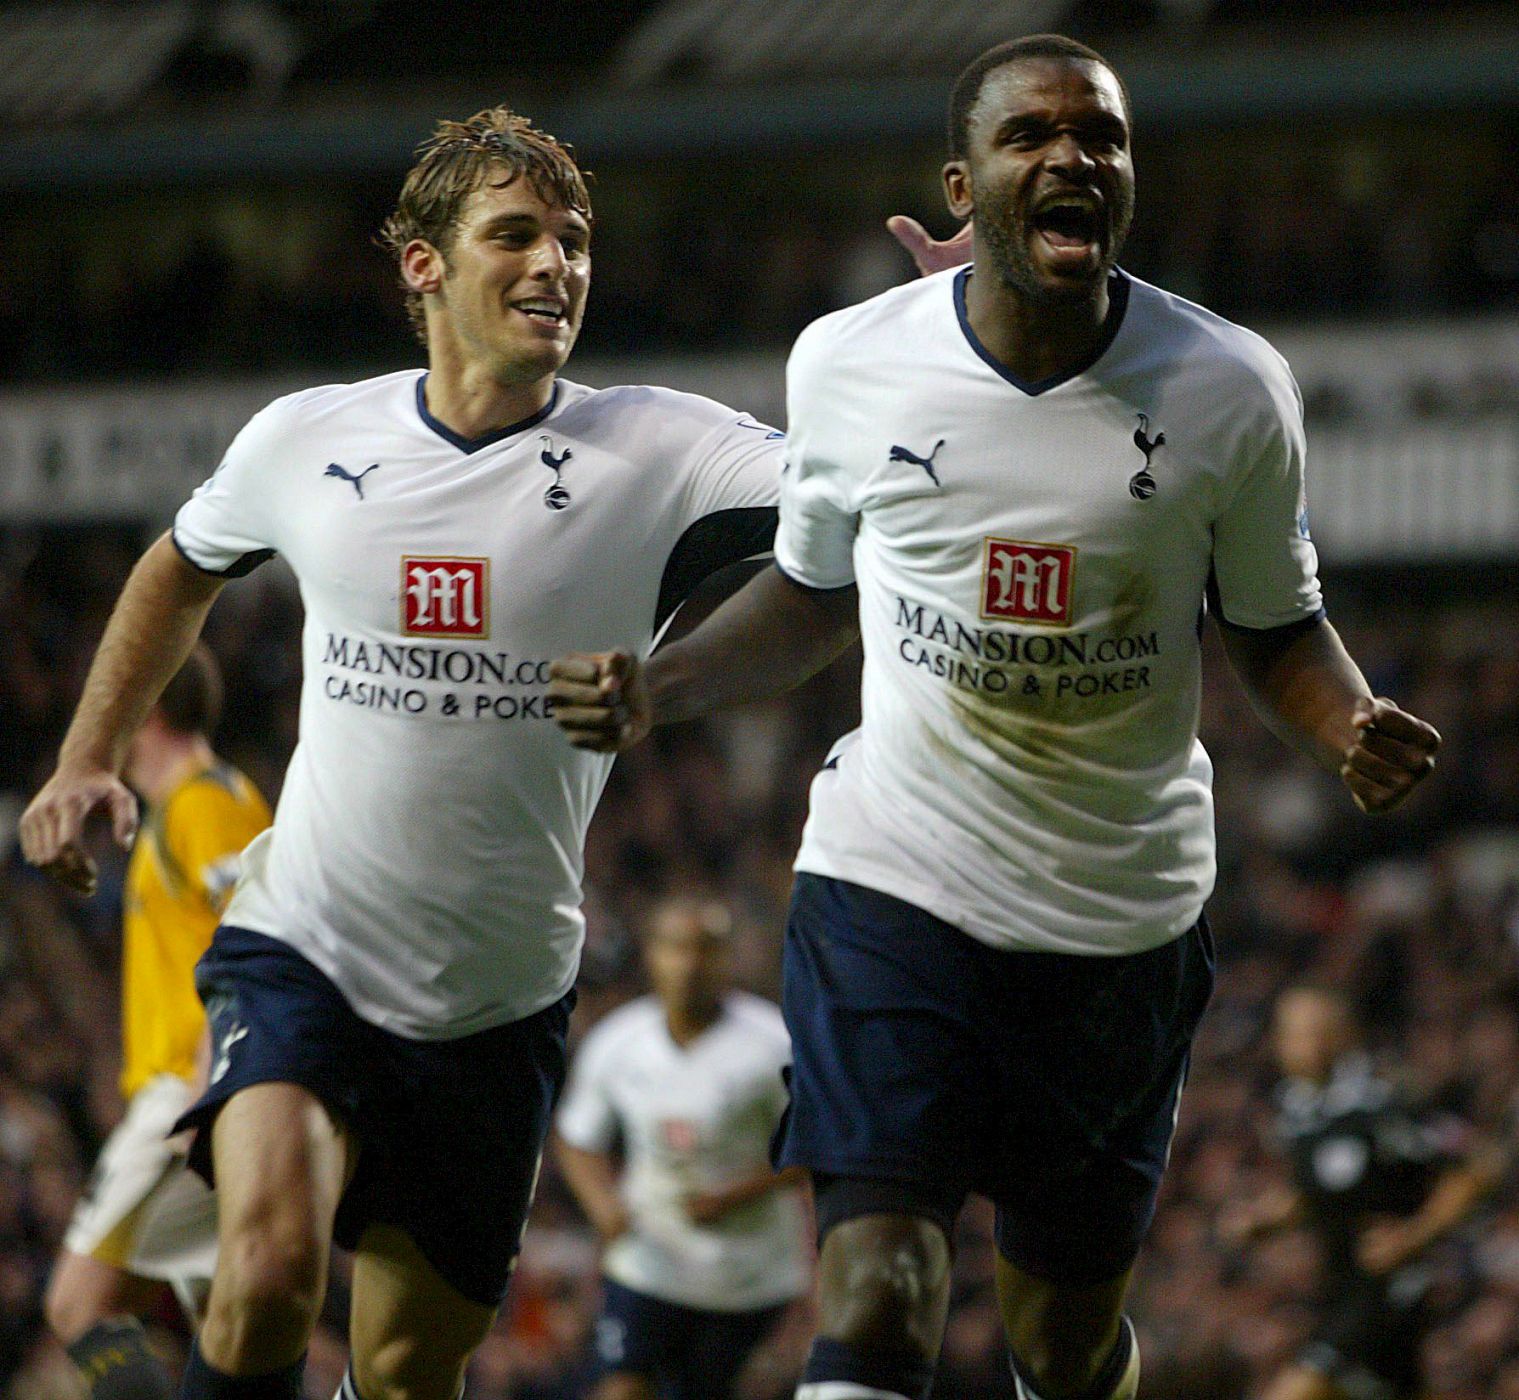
pixel 426 853
pixel 1032 561
pixel 691 1118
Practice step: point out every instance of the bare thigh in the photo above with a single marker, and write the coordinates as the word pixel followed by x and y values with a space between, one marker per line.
pixel 282 1161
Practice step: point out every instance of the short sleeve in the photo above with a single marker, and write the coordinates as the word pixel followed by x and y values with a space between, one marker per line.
pixel 227 526
pixel 586 1118
pixel 814 542
pixel 1264 564
pixel 209 826
pixel 732 479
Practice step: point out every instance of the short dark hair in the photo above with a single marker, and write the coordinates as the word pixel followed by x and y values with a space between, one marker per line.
pixel 192 700
pixel 968 85
pixel 449 168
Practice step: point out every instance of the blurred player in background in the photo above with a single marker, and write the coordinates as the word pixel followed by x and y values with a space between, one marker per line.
pixel 1377 1184
pixel 390 988
pixel 705 1243
pixel 145 1220
pixel 1019 482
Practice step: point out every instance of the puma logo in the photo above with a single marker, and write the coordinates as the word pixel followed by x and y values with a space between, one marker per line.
pixel 903 454
pixel 343 474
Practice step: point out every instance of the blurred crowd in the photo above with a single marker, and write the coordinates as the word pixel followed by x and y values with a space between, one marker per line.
pixel 1417 915
pixel 1321 219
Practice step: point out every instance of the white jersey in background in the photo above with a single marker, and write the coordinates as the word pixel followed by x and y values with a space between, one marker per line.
pixel 692 1118
pixel 427 850
pixel 1032 561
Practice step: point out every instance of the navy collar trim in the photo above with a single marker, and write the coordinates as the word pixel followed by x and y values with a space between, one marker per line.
pixel 1118 305
pixel 465 444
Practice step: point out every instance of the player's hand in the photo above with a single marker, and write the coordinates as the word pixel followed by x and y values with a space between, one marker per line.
pixel 600 700
pixel 1392 754
pixel 52 827
pixel 929 254
pixel 1388 1245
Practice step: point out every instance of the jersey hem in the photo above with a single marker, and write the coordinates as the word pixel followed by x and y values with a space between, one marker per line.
pixel 385 1018
pixel 704 1302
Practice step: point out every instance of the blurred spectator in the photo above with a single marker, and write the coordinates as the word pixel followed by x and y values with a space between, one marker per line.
pixel 1417 917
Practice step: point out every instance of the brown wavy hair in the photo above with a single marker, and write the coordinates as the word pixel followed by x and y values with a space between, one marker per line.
pixel 451 165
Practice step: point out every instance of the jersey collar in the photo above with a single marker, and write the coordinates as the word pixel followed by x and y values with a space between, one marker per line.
pixel 467 445
pixel 1118 304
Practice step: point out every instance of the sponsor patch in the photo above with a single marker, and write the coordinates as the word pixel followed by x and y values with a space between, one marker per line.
pixel 445 597
pixel 1025 582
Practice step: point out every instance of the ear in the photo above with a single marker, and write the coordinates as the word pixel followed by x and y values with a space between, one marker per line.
pixel 423 267
pixel 957 189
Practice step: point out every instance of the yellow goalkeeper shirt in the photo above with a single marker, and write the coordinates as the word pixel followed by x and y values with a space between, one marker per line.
pixel 179 878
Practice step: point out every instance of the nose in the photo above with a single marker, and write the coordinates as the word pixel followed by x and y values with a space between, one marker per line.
pixel 549 261
pixel 1069 157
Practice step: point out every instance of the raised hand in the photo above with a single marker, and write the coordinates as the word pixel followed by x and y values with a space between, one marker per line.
pixel 930 255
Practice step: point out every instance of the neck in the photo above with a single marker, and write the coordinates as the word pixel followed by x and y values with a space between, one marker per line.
pixel 1034 339
pixel 158 771
pixel 466 399
pixel 686 1023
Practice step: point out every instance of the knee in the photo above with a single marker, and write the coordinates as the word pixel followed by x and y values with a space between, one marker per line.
pixel 885 1282
pixel 408 1368
pixel 273 1271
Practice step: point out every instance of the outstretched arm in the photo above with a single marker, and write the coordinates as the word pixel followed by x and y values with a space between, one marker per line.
pixel 156 621
pixel 766 639
pixel 1387 1245
pixel 1309 692
pixel 594 1183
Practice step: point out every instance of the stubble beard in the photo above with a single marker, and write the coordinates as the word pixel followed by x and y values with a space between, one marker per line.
pixel 1006 239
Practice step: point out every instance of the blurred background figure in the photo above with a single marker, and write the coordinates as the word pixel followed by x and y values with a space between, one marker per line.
pixel 705 1244
pixel 145 1222
pixel 1376 1184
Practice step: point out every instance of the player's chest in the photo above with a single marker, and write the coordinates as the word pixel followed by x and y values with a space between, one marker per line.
pixel 452 547
pixel 679 1110
pixel 1084 470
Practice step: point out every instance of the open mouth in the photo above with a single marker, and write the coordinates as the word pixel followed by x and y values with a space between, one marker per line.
pixel 1069 226
pixel 542 312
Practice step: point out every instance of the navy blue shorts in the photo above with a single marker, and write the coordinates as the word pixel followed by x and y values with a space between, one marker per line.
pixel 689 1353
pixel 1045 1081
pixel 450 1132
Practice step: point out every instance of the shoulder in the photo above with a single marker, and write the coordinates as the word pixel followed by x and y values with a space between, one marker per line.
pixel 1226 362
pixel 615 1032
pixel 304 409
pixel 758 1018
pixel 627 415
pixel 862 327
pixel 218 797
